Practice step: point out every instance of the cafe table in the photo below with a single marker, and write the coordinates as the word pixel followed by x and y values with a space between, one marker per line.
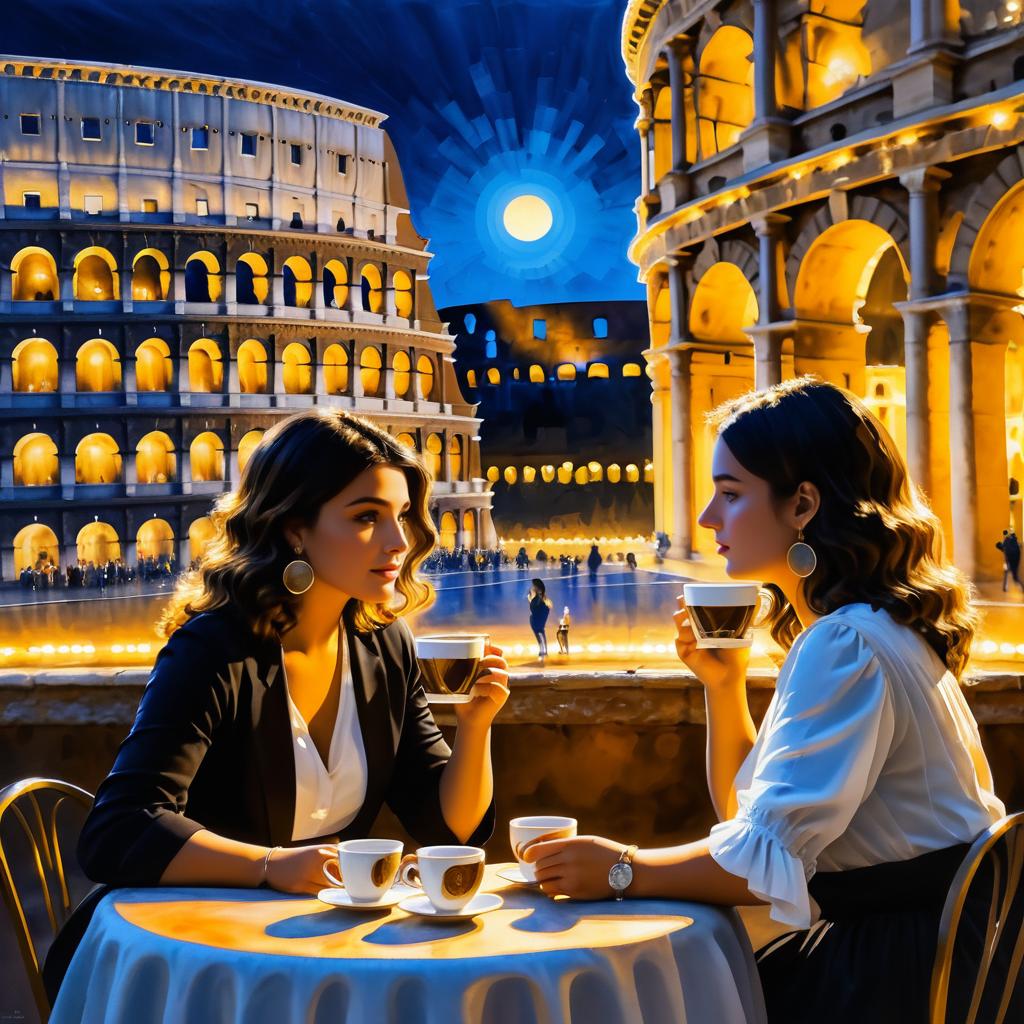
pixel 243 956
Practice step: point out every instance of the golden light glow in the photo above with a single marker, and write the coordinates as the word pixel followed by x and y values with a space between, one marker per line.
pixel 336 370
pixel 373 289
pixel 1000 119
pixel 370 371
pixel 246 446
pixel 34 366
pixel 155 459
pixel 403 293
pixel 205 367
pixel 98 367
pixel 297 370
pixel 34 545
pixel 527 218
pixel 337 295
pixel 35 276
pixel 206 457
pixel 200 533
pixel 252 367
pixel 401 373
pixel 302 278
pixel 153 368
pixel 425 373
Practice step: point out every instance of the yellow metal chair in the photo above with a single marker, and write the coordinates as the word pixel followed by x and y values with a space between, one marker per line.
pixel 34 805
pixel 991 876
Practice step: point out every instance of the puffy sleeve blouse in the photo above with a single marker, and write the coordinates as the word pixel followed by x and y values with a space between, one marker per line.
pixel 868 753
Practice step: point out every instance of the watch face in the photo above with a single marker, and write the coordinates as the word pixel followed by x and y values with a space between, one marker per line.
pixel 620 876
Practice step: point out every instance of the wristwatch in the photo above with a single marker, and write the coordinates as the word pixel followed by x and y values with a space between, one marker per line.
pixel 621 874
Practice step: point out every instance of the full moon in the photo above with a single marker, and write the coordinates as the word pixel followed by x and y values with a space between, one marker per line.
pixel 527 218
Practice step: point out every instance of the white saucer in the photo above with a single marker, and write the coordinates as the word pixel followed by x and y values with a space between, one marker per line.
pixel 340 898
pixel 481 903
pixel 514 874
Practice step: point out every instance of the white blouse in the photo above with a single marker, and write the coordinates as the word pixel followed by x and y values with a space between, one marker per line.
pixel 868 753
pixel 328 797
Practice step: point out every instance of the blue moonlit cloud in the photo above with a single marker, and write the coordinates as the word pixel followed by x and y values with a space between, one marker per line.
pixel 485 101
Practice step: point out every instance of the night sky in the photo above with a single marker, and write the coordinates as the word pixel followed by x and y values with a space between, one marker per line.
pixel 485 101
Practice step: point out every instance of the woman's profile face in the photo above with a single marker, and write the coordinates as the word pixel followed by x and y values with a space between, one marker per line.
pixel 751 535
pixel 359 534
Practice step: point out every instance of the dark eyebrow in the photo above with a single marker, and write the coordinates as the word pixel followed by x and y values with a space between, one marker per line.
pixel 726 476
pixel 374 501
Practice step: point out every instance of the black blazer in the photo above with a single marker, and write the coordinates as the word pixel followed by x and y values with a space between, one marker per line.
pixel 211 747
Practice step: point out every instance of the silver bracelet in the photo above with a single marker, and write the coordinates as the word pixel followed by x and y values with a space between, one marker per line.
pixel 266 863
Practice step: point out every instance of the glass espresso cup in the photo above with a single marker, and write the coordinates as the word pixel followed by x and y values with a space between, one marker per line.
pixel 534 828
pixel 449 875
pixel 366 867
pixel 449 664
pixel 723 614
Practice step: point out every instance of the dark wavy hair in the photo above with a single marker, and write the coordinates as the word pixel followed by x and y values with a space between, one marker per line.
pixel 299 465
pixel 876 538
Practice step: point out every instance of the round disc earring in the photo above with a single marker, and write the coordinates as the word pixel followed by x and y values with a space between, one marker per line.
pixel 800 558
pixel 298 575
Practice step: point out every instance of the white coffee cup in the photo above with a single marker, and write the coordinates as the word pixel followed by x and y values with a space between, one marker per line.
pixel 532 828
pixel 449 875
pixel 722 615
pixel 367 867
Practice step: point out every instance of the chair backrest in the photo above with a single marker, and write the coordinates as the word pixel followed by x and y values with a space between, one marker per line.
pixel 33 804
pixel 981 938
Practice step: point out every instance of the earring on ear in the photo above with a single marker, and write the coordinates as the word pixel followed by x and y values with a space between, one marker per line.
pixel 298 574
pixel 800 558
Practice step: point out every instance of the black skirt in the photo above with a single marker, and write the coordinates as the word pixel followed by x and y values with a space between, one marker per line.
pixel 870 957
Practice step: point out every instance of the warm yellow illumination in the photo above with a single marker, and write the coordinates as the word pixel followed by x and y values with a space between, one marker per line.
pixel 35 546
pixel 373 289
pixel 335 284
pixel 34 276
pixel 34 366
pixel 449 526
pixel 155 539
pixel 35 461
pixel 1000 119
pixel 403 293
pixel 297 370
pixel 425 372
pixel 253 282
pixel 206 457
pixel 97 543
pixel 200 533
pixel 246 446
pixel 370 371
pixel 205 367
pixel 97 367
pixel 155 459
pixel 527 218
pixel 432 455
pixel 301 277
pixel 336 370
pixel 252 367
pixel 401 373
pixel 455 456
pixel 840 71
pixel 153 368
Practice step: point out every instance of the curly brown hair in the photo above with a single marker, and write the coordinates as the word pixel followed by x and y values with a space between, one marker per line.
pixel 299 465
pixel 876 538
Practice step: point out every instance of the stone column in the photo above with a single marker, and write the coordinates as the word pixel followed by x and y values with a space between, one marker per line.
pixel 682 454
pixel 128 380
pixel 234 385
pixel 923 185
pixel 978 335
pixel 934 23
pixel 679 296
pixel 446 458
pixel 768 138
pixel 67 475
pixel 130 471
pixel 234 470
pixel 644 123
pixel 771 299
pixel 917 326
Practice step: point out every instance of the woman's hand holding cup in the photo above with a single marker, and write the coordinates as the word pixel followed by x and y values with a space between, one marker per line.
pixel 713 666
pixel 298 869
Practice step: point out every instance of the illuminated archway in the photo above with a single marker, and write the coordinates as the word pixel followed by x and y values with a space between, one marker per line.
pixel 997 256
pixel 298 282
pixel 97 367
pixel 335 284
pixel 95 276
pixel 35 546
pixel 448 529
pixel 536 374
pixel 203 279
pixel 632 474
pixel 155 459
pixel 510 475
pixel 34 366
pixel 835 53
pixel 725 89
pixel 432 455
pixel 251 281
pixel 401 368
pixel 336 369
pixel 565 371
pixel 200 533
pixel 632 370
pixel 297 370
pixel 369 371
pixel 493 375
pixel 246 447
pixel 661 315
pixel 253 377
pixel 34 276
pixel 151 276
pixel 407 439
pixel 154 370
pixel 723 305
pixel 425 376
pixel 155 539
pixel 206 458
pixel 469 529
pixel 97 460
pixel 614 473
pixel 205 367
pixel 598 370
pixel 372 289
pixel 98 543
pixel 403 293
pixel 455 456
pixel 35 461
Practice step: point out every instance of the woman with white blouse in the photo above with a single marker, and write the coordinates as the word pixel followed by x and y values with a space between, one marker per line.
pixel 851 808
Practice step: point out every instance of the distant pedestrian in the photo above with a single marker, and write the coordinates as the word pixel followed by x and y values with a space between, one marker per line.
pixel 562 634
pixel 594 560
pixel 631 559
pixel 1010 548
pixel 540 608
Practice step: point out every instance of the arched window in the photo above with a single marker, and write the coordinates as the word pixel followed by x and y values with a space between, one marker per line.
pixel 206 457
pixel 369 371
pixel 95 276
pixel 156 461
pixel 432 455
pixel 631 370
pixel 253 378
pixel 648 472
pixel 491 350
pixel 35 461
pixel 252 284
pixel 595 473
pixel 510 474
pixel 205 367
pixel 34 366
pixel 403 293
pixel 425 372
pixel 469 322
pixel 97 460
pixel 598 370
pixel 661 315
pixel 469 529
pixel 581 475
pixel 725 88
pixel 614 473
pixel 200 533
pixel 151 276
pixel 335 284
pixel 536 374
pixel 493 474
pixel 372 289
pixel 336 370
pixel 566 371
pixel 34 276
pixel 447 531
pixel 246 446
pixel 401 367
pixel 297 370
pixel 493 375
pixel 298 282
pixel 407 439
pixel 203 280
pixel 155 539
pixel 455 456
pixel 35 546
pixel 632 474
pixel 529 474
pixel 154 370
pixel 547 474
pixel 565 473
pixel 97 367
pixel 471 378
pixel 98 543
pixel 600 327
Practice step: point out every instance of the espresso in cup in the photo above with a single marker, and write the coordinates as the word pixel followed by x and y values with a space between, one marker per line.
pixel 449 875
pixel 366 867
pixel 449 664
pixel 534 828
pixel 722 614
